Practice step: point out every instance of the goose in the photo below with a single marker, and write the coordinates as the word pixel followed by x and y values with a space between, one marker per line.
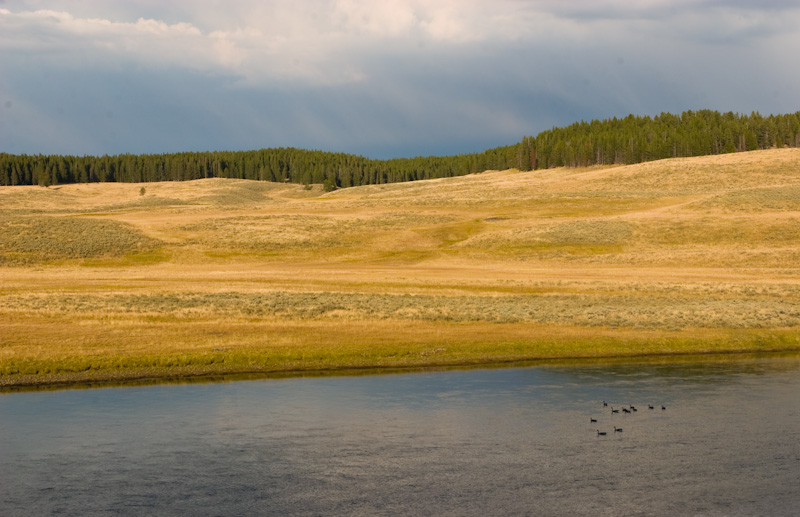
pixel 592 420
pixel 633 408
pixel 650 406
pixel 614 410
pixel 663 408
pixel 601 433
pixel 625 410
pixel 605 403
pixel 617 429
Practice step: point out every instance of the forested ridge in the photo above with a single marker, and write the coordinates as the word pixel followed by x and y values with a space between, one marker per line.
pixel 632 139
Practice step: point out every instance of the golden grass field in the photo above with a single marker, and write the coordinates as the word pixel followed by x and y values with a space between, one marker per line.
pixel 692 255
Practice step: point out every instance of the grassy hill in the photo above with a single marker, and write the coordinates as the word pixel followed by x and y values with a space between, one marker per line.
pixel 690 255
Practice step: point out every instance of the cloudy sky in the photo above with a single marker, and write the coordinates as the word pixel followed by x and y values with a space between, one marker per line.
pixel 381 78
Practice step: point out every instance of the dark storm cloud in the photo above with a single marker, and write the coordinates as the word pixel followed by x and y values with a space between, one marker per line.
pixel 394 78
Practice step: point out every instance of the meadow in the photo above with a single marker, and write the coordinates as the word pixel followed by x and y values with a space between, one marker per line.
pixel 119 281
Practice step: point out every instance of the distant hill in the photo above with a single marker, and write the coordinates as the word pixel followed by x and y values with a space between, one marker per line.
pixel 628 140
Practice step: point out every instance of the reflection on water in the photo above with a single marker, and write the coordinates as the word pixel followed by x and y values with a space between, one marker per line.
pixel 504 441
pixel 754 360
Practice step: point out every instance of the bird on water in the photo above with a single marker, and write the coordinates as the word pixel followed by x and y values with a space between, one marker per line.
pixel 601 433
pixel 591 420
pixel 617 429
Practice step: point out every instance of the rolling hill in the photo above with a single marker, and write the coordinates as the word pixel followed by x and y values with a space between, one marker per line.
pixel 123 281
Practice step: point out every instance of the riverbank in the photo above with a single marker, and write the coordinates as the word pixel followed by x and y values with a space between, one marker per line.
pixel 270 348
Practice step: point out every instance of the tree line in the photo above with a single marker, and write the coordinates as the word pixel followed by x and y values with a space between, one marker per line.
pixel 334 170
pixel 632 139
pixel 639 139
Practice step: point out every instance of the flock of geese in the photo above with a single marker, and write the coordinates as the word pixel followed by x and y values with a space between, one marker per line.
pixel 629 410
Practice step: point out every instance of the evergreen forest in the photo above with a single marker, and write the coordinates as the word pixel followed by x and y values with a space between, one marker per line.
pixel 628 140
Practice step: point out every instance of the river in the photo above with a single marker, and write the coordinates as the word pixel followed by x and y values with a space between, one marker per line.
pixel 507 441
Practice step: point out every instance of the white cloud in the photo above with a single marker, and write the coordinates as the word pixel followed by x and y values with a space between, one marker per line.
pixel 46 34
pixel 320 42
pixel 390 18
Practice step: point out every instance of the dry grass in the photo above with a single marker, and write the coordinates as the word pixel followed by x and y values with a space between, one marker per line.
pixel 676 256
pixel 33 239
pixel 631 306
pixel 766 199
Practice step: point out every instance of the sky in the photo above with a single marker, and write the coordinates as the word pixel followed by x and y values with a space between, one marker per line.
pixel 382 79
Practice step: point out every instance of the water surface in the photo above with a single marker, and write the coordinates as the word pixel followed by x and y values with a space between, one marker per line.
pixel 515 441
